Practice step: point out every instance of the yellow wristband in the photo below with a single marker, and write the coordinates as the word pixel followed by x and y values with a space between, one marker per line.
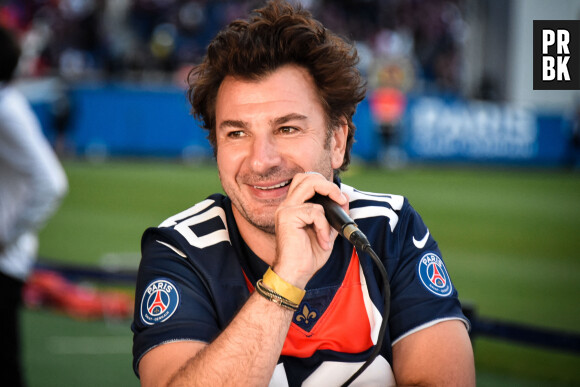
pixel 283 288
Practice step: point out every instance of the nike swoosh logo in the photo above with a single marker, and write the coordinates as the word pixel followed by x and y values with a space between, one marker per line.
pixel 420 244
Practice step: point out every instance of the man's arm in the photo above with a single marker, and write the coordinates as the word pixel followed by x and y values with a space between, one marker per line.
pixel 440 355
pixel 247 351
pixel 244 354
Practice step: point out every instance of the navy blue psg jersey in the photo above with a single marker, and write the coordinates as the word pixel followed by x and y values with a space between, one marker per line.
pixel 196 272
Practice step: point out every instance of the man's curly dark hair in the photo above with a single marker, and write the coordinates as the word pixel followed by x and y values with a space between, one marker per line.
pixel 276 35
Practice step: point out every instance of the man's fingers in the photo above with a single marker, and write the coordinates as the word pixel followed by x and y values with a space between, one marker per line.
pixel 305 185
pixel 309 217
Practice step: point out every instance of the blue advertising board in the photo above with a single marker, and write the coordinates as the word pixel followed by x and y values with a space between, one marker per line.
pixel 138 121
pixel 448 129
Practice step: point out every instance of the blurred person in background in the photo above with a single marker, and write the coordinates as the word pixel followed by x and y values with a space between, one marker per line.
pixel 254 288
pixel 32 184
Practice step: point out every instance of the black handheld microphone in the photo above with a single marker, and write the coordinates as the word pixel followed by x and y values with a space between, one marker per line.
pixel 341 222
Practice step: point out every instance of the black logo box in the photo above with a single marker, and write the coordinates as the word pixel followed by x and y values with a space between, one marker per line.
pixel 573 65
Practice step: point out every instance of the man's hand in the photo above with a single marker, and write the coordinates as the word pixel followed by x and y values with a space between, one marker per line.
pixel 304 238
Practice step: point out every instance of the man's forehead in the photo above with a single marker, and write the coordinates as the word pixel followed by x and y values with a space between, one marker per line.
pixel 286 95
pixel 290 78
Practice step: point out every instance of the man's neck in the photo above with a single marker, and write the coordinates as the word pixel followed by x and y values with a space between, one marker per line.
pixel 262 243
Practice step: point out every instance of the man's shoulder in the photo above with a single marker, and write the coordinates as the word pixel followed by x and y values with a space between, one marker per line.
pixel 203 225
pixel 364 204
pixel 212 203
pixel 360 198
pixel 199 236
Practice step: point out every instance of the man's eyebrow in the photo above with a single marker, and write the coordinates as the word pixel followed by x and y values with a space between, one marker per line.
pixel 288 117
pixel 274 122
pixel 233 124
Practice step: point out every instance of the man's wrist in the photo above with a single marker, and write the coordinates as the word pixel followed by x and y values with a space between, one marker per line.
pixel 280 286
pixel 274 297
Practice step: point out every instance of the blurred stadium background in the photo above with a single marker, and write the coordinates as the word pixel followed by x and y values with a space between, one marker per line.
pixel 450 120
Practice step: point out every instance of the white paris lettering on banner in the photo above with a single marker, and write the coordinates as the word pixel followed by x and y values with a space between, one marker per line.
pixel 440 128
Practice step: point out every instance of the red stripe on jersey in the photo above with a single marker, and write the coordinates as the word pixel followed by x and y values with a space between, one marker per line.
pixel 248 283
pixel 344 326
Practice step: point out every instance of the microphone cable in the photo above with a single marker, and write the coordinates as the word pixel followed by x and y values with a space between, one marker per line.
pixel 385 315
pixel 340 221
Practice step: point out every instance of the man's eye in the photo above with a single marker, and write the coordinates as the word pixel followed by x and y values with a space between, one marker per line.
pixel 288 129
pixel 235 134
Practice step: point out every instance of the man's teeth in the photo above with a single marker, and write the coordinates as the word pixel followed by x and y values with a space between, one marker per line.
pixel 284 183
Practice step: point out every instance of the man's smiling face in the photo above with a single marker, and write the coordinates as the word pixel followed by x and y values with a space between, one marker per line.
pixel 266 132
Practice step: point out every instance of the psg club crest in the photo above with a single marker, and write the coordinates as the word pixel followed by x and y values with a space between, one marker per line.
pixel 433 275
pixel 160 300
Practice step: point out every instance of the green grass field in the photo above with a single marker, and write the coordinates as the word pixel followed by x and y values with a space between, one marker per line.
pixel 510 238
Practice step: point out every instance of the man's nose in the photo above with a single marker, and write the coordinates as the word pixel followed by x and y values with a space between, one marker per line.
pixel 265 153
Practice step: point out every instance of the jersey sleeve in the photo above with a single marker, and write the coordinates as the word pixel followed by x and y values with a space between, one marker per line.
pixel 190 283
pixel 172 302
pixel 422 293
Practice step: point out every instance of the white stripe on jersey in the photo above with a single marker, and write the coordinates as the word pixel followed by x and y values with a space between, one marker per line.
pixel 373 314
pixel 195 215
pixel 175 249
pixel 333 373
pixel 394 201
pixel 172 221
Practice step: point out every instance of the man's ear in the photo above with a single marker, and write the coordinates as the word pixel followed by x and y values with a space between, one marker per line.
pixel 338 144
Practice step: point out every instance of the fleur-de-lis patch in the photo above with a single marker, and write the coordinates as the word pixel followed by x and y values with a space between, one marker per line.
pixel 306 315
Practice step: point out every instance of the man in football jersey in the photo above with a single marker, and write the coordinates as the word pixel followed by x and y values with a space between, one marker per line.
pixel 255 288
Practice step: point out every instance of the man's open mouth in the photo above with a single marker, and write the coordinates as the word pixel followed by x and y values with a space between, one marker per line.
pixel 280 185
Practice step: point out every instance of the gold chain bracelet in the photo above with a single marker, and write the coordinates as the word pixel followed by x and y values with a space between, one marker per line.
pixel 275 297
